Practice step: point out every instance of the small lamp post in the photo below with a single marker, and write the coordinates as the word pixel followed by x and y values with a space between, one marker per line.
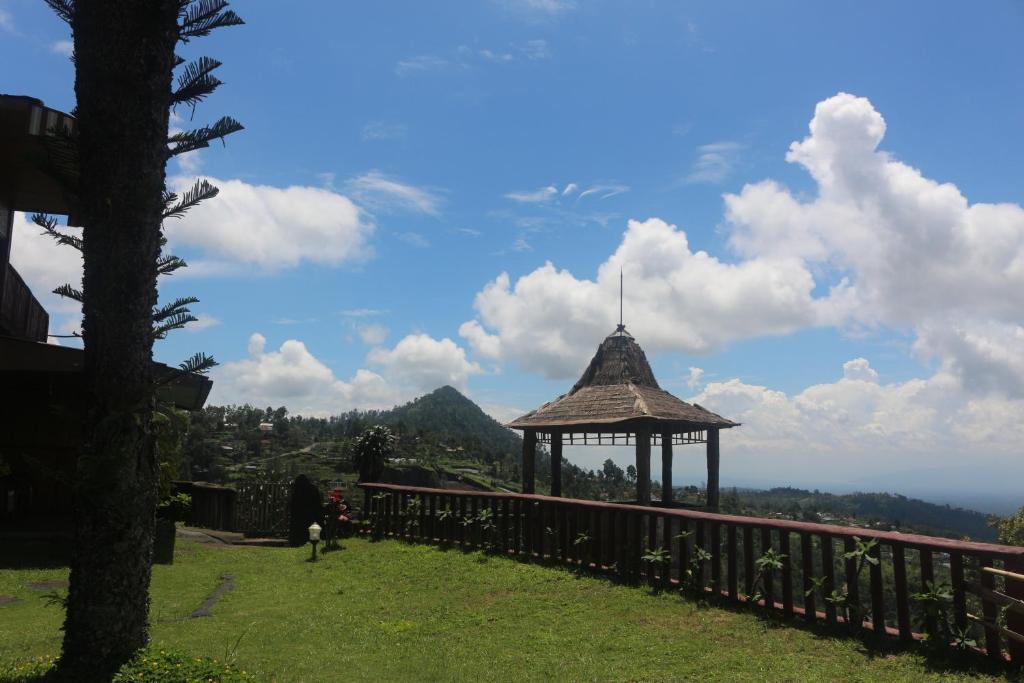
pixel 314 538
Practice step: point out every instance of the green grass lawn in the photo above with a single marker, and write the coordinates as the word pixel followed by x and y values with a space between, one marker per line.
pixel 389 611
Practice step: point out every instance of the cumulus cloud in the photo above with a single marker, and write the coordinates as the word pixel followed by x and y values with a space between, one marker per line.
pixel 271 227
pixel 293 377
pixel 859 369
pixel 425 363
pixel 675 299
pixel 695 378
pixel 858 425
pixel 878 245
pixel 373 334
pixel 488 345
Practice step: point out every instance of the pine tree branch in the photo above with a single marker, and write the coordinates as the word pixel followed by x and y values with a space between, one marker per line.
pixel 168 263
pixel 199 192
pixel 199 364
pixel 200 17
pixel 65 9
pixel 175 307
pixel 196 82
pixel 49 226
pixel 69 292
pixel 191 140
pixel 174 321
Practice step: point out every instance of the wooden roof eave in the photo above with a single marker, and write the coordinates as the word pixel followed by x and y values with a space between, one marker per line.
pixel 613 425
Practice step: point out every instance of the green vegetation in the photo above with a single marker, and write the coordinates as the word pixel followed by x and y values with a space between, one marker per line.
pixel 1010 529
pixel 393 611
pixel 444 439
pixel 885 511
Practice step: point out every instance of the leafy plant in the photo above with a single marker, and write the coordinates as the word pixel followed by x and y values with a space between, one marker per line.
pixel 764 568
pixel 852 610
pixel 936 601
pixel 690 581
pixel 656 557
pixel 582 538
pixel 372 449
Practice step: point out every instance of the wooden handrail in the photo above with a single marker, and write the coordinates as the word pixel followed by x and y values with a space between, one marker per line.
pixel 934 543
pixel 1002 572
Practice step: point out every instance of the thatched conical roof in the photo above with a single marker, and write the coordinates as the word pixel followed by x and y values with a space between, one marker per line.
pixel 619 386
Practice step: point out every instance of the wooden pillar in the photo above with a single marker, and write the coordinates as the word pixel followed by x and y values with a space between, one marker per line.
pixel 529 456
pixel 556 464
pixel 643 467
pixel 666 466
pixel 713 467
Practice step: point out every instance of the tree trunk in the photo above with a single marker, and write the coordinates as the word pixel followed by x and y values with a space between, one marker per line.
pixel 124 52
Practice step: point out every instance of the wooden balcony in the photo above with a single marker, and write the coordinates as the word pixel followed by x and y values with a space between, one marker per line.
pixel 21 315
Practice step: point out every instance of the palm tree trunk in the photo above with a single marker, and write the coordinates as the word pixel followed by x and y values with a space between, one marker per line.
pixel 124 52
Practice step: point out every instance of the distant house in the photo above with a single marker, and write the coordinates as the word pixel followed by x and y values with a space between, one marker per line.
pixel 42 393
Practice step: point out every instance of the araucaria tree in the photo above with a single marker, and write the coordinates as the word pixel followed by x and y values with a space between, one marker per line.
pixel 125 88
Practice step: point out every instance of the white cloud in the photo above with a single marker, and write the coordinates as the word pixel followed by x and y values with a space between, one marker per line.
pixel 877 246
pixel 203 322
pixel 382 193
pixel 7 21
pixel 840 433
pixel 544 194
pixel 421 64
pixel 860 370
pixel 485 344
pixel 550 8
pixel 413 239
pixel 695 378
pixel 293 377
pixel 535 50
pixel 903 250
pixel 257 343
pixel 382 130
pixel 63 47
pixel 499 57
pixel 714 162
pixel 372 335
pixel 44 265
pixel 425 363
pixel 272 227
pixel 675 299
pixel 362 312
pixel 604 191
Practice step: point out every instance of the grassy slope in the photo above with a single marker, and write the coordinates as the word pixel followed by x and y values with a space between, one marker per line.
pixel 390 611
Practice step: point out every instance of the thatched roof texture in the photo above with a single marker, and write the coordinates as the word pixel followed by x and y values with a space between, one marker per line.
pixel 617 386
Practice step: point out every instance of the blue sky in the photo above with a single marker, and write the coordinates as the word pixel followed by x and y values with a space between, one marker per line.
pixel 432 147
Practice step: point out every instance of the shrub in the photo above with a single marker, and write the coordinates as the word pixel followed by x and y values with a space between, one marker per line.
pixel 151 665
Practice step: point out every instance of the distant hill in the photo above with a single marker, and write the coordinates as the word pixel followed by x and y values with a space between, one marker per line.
pixel 448 413
pixel 888 510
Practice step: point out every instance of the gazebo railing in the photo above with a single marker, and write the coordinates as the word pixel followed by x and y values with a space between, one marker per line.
pixel 905 586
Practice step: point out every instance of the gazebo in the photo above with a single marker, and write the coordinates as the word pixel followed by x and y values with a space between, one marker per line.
pixel 617 401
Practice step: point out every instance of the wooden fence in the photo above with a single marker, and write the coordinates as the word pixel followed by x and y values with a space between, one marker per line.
pixel 899 585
